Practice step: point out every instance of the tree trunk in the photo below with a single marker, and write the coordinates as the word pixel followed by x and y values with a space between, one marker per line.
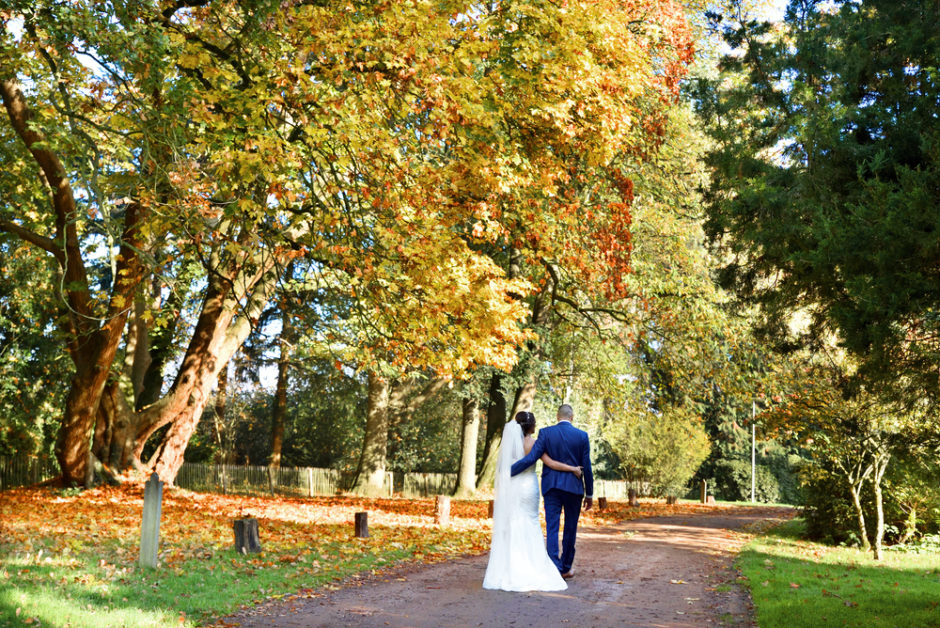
pixel 525 398
pixel 217 336
pixel 161 345
pixel 880 466
pixel 222 441
pixel 93 345
pixel 496 418
pixel 469 434
pixel 280 404
pixel 860 514
pixel 495 421
pixel 370 478
pixel 117 452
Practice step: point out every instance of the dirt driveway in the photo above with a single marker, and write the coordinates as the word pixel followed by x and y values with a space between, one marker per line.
pixel 665 571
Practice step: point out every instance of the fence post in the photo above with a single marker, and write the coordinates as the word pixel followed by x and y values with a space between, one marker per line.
pixel 442 510
pixel 150 521
pixel 362 525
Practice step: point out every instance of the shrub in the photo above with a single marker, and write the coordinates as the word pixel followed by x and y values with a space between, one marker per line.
pixel 831 518
pixel 663 449
pixel 732 482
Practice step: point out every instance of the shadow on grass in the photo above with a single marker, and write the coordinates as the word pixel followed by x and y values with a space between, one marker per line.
pixel 799 583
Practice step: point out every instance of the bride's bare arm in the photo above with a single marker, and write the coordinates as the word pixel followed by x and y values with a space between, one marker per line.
pixel 560 466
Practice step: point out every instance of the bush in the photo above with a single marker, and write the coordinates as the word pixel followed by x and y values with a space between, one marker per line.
pixel 662 449
pixel 732 482
pixel 827 507
pixel 831 518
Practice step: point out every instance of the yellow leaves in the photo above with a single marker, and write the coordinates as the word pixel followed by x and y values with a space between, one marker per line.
pixel 195 59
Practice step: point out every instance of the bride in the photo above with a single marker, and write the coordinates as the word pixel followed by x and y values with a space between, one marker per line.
pixel 518 560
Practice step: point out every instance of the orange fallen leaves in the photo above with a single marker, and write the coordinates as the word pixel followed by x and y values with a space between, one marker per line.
pixel 196 526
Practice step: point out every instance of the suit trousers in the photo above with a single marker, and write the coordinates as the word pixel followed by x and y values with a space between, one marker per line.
pixel 557 500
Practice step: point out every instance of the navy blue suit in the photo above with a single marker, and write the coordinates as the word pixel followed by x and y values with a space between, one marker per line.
pixel 561 490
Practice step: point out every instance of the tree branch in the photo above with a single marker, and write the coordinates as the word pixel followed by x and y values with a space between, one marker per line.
pixel 63 200
pixel 46 244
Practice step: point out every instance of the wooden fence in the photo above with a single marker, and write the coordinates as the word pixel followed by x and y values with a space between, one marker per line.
pixel 20 471
pixel 242 480
pixel 428 484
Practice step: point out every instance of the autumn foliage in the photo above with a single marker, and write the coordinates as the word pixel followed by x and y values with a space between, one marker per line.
pixel 399 156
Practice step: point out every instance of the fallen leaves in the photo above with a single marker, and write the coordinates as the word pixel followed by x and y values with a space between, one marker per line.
pixel 195 526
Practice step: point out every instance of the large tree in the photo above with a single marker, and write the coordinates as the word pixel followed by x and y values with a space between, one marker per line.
pixel 398 150
pixel 825 196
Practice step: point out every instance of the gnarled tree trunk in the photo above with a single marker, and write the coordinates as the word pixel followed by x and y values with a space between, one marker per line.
pixel 216 337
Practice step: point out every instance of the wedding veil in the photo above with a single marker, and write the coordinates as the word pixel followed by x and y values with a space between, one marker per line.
pixel 504 498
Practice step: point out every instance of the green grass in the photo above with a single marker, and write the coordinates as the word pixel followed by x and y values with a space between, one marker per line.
pixel 79 589
pixel 799 583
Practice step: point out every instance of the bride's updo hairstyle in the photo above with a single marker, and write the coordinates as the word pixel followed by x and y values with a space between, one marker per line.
pixel 527 421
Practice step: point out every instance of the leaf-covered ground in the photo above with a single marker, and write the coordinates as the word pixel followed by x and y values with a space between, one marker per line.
pixel 70 559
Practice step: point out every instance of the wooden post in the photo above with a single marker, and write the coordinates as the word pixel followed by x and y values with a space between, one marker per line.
pixel 362 525
pixel 150 521
pixel 247 539
pixel 442 510
pixel 490 510
pixel 704 490
pixel 601 503
pixel 631 497
pixel 671 499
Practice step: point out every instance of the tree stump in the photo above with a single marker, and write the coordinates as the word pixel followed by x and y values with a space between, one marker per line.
pixel 631 496
pixel 710 499
pixel 671 499
pixel 442 510
pixel 247 540
pixel 362 525
pixel 492 504
pixel 601 503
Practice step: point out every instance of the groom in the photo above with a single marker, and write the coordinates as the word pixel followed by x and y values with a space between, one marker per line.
pixel 560 489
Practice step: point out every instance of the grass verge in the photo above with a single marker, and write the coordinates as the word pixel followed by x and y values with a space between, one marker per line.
pixel 71 560
pixel 795 582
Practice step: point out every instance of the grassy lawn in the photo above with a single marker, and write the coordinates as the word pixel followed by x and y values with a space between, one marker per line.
pixel 800 583
pixel 70 559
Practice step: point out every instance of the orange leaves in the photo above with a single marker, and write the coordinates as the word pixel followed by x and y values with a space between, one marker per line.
pixel 195 526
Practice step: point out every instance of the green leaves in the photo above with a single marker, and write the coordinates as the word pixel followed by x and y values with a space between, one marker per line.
pixel 821 195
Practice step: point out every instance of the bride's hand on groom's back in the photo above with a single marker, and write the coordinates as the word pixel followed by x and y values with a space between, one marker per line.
pixel 577 472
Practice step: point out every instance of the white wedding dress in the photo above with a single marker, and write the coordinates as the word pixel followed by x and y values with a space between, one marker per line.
pixel 518 560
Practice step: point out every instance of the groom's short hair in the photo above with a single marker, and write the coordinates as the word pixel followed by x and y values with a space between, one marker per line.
pixel 565 411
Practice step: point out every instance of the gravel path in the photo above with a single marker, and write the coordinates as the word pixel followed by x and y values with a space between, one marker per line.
pixel 664 571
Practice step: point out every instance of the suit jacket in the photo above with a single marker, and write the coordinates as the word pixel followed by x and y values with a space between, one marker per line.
pixel 565 443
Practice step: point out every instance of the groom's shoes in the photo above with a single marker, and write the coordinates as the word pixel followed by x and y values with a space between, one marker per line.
pixel 568 575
